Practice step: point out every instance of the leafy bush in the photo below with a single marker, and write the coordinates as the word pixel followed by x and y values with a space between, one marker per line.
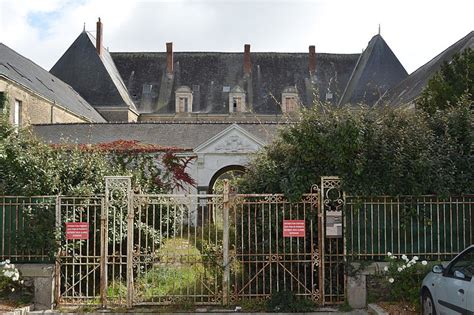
pixel 179 266
pixel 451 85
pixel 403 278
pixel 30 167
pixel 382 151
pixel 12 287
pixel 286 301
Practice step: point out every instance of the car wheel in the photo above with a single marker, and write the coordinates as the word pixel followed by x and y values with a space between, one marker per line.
pixel 428 304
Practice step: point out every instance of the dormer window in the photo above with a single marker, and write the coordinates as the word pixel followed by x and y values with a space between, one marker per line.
pixel 184 100
pixel 237 100
pixel 289 100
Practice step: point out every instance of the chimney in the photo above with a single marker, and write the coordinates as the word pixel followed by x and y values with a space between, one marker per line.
pixel 312 60
pixel 169 58
pixel 247 63
pixel 98 37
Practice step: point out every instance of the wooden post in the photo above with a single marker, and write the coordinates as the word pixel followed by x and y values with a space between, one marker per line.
pixel 225 245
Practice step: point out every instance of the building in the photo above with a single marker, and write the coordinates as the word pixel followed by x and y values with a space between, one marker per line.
pixel 222 106
pixel 152 86
pixel 34 96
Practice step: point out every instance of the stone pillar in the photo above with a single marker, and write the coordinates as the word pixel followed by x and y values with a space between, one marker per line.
pixel 43 281
pixel 357 291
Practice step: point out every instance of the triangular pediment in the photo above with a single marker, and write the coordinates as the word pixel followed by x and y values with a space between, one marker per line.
pixel 232 140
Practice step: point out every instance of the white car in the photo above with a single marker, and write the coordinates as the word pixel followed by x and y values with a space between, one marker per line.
pixel 450 289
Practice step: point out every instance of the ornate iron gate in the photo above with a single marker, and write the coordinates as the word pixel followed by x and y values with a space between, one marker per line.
pixel 201 249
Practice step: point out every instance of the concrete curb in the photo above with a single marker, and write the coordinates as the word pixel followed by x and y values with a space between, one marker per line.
pixel 375 309
pixel 324 312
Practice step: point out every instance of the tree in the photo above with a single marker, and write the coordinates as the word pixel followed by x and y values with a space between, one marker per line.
pixel 452 84
pixel 375 151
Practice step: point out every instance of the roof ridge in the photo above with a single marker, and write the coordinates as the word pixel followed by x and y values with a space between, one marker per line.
pixel 167 122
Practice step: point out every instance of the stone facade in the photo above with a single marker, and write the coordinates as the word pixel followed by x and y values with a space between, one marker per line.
pixel 117 113
pixel 34 109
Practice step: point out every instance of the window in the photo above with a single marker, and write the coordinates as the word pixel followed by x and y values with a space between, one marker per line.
pixel 3 100
pixel 235 104
pixel 290 104
pixel 17 114
pixel 464 264
pixel 237 100
pixel 185 106
pixel 184 100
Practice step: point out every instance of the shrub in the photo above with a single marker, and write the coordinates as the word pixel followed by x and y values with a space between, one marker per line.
pixel 12 286
pixel 286 301
pixel 179 266
pixel 381 151
pixel 403 278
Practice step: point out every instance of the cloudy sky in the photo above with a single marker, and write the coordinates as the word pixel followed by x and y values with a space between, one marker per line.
pixel 416 30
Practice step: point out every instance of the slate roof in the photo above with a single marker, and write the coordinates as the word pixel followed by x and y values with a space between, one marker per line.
pixel 207 73
pixel 28 74
pixel 410 88
pixel 183 135
pixel 95 78
pixel 377 70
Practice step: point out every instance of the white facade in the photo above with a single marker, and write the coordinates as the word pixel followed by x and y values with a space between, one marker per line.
pixel 231 147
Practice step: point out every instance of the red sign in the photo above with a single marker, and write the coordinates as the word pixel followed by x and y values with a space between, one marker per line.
pixel 294 228
pixel 77 230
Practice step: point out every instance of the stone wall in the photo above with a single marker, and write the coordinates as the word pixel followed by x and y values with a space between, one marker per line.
pixel 34 108
pixel 117 114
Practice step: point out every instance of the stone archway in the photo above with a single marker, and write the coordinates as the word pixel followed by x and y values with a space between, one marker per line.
pixel 221 172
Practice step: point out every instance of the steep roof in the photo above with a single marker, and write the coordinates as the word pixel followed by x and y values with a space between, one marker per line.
pixel 410 88
pixel 211 75
pixel 25 72
pixel 95 77
pixel 170 134
pixel 377 70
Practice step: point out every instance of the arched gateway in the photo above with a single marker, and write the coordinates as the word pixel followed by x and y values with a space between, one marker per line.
pixel 227 151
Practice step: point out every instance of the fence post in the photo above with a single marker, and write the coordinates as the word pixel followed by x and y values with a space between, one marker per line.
pixel 57 273
pixel 103 254
pixel 130 217
pixel 225 246
pixel 118 198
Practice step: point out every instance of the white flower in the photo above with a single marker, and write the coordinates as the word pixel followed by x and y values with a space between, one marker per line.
pixel 7 261
pixel 424 263
pixel 415 258
pixel 404 257
pixel 389 254
pixel 22 281
pixel 403 267
pixel 409 264
pixel 13 289
pixel 391 280
pixel 393 257
pixel 385 268
pixel 399 269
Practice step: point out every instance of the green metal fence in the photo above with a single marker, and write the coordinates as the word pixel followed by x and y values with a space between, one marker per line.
pixel 17 215
pixel 428 226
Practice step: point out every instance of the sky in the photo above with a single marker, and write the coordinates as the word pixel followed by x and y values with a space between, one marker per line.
pixel 416 30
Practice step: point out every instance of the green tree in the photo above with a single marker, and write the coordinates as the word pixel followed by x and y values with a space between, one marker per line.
pixel 453 82
pixel 375 151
